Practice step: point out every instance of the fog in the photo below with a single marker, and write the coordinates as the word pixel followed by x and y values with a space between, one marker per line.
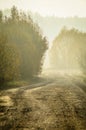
pixel 61 8
pixel 67 54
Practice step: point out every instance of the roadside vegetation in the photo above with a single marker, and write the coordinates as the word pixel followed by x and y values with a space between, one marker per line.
pixel 68 52
pixel 22 47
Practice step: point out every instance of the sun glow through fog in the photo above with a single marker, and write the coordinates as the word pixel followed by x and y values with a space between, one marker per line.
pixel 61 8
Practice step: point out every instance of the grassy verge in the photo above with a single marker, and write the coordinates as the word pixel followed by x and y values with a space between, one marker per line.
pixel 20 83
pixel 13 84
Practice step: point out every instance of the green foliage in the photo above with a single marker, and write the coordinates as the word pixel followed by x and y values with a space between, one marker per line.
pixel 22 47
pixel 1 16
pixel 9 60
pixel 52 25
pixel 14 14
pixel 68 51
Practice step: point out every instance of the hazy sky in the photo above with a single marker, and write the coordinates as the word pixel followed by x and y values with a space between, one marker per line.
pixel 61 8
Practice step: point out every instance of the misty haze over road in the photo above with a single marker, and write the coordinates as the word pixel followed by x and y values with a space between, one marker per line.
pixel 42 83
pixel 57 103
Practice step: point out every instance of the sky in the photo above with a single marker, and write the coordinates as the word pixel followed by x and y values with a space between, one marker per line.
pixel 60 8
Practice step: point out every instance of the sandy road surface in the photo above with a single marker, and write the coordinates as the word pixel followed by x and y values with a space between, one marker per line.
pixel 49 105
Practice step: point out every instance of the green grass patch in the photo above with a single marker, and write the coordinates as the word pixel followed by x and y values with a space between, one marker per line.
pixel 14 84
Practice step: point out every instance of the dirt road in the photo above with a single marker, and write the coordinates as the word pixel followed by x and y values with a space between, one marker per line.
pixel 47 105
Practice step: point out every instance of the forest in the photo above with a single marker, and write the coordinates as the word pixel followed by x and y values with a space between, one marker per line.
pixel 52 25
pixel 22 47
pixel 68 51
pixel 42 66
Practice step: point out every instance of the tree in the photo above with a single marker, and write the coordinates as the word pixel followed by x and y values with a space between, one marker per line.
pixel 68 52
pixel 10 60
pixel 1 16
pixel 14 14
pixel 23 51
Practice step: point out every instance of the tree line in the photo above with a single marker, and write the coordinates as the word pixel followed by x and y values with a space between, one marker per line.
pixel 68 52
pixel 22 46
